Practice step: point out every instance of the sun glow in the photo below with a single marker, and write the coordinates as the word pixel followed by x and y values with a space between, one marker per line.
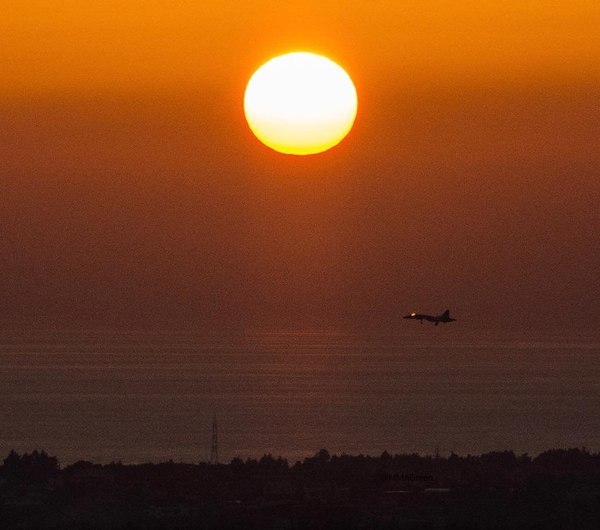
pixel 300 103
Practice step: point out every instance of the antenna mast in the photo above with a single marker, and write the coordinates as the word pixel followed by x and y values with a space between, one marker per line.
pixel 214 451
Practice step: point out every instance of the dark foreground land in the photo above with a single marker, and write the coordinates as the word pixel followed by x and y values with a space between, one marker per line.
pixel 559 489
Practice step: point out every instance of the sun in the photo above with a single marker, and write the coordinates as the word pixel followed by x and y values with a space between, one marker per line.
pixel 300 103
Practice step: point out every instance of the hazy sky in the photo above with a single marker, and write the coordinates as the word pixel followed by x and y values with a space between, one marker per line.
pixel 131 187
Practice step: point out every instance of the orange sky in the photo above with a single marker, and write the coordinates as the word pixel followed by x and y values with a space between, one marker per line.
pixel 131 186
pixel 120 45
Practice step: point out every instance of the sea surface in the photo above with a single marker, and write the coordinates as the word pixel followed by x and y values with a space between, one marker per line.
pixel 150 396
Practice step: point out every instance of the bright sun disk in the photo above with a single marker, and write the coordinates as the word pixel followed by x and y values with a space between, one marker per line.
pixel 300 103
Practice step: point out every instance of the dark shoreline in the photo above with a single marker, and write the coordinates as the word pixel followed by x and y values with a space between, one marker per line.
pixel 558 489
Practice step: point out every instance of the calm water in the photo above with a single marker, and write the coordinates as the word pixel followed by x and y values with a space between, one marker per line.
pixel 150 396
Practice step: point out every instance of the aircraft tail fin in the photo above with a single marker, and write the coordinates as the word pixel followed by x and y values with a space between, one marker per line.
pixel 446 314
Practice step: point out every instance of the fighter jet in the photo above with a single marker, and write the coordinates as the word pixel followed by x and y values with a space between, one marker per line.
pixel 444 317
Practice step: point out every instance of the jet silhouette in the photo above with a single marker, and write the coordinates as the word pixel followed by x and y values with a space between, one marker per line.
pixel 444 317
